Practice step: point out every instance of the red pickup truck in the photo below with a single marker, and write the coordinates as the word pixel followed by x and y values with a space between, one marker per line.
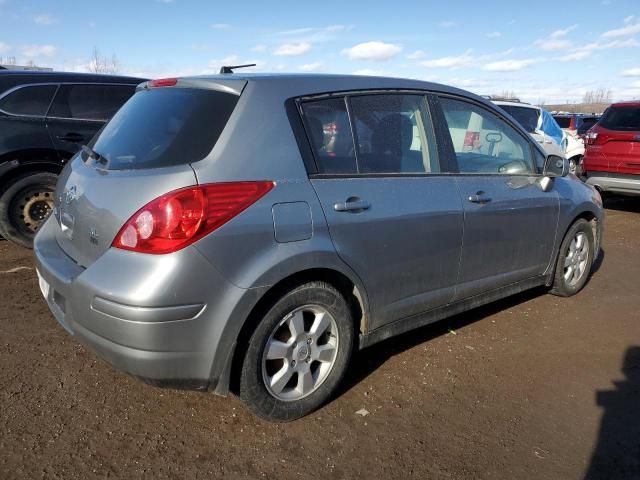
pixel 612 157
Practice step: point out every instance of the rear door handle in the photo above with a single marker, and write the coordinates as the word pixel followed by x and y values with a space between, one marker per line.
pixel 479 197
pixel 352 205
pixel 71 137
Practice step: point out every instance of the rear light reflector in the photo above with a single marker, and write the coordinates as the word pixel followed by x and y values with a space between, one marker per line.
pixel 179 218
pixel 163 82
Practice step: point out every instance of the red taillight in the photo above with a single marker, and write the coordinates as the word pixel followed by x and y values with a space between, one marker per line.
pixel 591 137
pixel 181 217
pixel 163 82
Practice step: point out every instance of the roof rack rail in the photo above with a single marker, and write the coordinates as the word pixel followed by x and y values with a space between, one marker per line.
pixel 502 98
pixel 231 68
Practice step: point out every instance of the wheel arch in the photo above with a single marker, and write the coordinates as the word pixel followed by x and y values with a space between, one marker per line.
pixel 349 288
pixel 17 163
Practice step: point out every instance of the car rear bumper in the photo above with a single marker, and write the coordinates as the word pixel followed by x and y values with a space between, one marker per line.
pixel 616 183
pixel 158 317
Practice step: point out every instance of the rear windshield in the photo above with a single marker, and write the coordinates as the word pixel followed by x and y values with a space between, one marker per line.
pixel 587 123
pixel 564 122
pixel 621 118
pixel 527 117
pixel 161 127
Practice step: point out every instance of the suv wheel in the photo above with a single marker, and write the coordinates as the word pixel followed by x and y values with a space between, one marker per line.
pixel 574 260
pixel 298 353
pixel 24 206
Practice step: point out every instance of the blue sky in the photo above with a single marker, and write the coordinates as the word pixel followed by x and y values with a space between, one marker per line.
pixel 541 50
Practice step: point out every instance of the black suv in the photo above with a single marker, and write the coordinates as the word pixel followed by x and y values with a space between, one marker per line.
pixel 45 118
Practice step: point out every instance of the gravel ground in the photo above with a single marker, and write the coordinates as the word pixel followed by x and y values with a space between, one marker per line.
pixel 531 387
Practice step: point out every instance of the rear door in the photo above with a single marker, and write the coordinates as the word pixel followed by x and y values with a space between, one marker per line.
pixel 621 140
pixel 80 110
pixel 393 217
pixel 509 221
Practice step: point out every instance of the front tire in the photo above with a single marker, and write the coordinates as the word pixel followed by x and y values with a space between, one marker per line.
pixel 575 259
pixel 298 353
pixel 24 205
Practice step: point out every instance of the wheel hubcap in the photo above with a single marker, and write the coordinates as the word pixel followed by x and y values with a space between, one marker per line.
pixel 31 207
pixel 575 263
pixel 300 353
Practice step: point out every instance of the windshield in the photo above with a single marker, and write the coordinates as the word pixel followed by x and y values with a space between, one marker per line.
pixel 161 127
pixel 621 118
pixel 527 117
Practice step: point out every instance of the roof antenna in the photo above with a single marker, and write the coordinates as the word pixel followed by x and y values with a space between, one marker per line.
pixel 231 68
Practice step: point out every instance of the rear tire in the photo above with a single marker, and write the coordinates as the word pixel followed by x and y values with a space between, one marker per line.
pixel 24 205
pixel 575 259
pixel 298 353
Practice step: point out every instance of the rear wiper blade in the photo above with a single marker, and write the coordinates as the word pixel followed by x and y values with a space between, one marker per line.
pixel 93 155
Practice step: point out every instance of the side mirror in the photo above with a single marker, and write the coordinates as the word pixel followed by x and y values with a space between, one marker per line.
pixel 556 166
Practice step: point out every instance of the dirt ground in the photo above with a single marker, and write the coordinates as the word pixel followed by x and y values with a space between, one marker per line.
pixel 531 387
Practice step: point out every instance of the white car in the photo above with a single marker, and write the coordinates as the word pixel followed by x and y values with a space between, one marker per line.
pixel 544 129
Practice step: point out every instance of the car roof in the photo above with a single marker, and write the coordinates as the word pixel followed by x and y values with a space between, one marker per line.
pixel 22 76
pixel 631 103
pixel 301 84
pixel 515 104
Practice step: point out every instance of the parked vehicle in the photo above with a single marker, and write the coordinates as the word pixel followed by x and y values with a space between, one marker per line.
pixel 542 126
pixel 570 122
pixel 612 159
pixel 247 232
pixel 587 122
pixel 44 118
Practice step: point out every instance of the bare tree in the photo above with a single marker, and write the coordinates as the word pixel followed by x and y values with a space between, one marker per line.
pixel 102 64
pixel 600 95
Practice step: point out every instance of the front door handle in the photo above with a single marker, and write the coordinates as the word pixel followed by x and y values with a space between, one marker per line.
pixel 71 137
pixel 353 205
pixel 479 197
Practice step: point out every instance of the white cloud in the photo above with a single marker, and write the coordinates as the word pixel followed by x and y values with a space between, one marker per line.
pixel 259 48
pixel 220 26
pixel 494 34
pixel 4 47
pixel 377 51
pixel 447 24
pixel 577 55
pixel 292 49
pixel 464 60
pixel 416 55
pixel 313 34
pixel 553 44
pixel 215 64
pixel 508 65
pixel 310 67
pixel 45 19
pixel 632 72
pixel 631 28
pixel 563 32
pixel 369 72
pixel 33 51
pixel 629 19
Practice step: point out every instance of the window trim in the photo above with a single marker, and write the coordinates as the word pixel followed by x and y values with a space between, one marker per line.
pixel 346 95
pixel 58 85
pixel 517 128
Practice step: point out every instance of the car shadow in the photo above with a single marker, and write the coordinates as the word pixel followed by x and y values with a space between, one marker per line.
pixel 370 359
pixel 597 263
pixel 622 203
pixel 617 452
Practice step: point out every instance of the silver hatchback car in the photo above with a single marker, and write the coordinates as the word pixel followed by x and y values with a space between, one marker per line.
pixel 247 232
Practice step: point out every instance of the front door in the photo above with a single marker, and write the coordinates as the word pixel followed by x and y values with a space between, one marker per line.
pixel 393 218
pixel 509 221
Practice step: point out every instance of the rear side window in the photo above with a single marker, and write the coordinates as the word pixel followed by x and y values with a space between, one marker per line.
pixel 393 134
pixel 564 122
pixel 161 127
pixel 90 102
pixel 526 117
pixel 621 118
pixel 33 100
pixel 328 128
